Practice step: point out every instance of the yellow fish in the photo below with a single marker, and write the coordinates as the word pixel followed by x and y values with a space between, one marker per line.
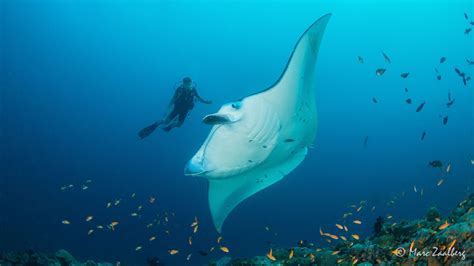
pixel 452 244
pixel 356 237
pixel 225 249
pixel 343 238
pixel 291 255
pixel 173 251
pixel 89 218
pixel 339 226
pixel 357 222
pixel 66 222
pixel 270 255
pixel 443 226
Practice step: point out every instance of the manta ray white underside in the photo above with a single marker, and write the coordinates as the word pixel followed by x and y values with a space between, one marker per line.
pixel 258 140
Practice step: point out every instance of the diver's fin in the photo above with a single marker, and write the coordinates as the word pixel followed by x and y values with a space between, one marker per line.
pixel 226 194
pixel 148 130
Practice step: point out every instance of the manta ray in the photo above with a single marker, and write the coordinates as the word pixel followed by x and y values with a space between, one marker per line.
pixel 259 139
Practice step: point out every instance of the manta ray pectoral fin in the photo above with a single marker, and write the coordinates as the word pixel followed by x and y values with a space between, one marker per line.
pixel 226 194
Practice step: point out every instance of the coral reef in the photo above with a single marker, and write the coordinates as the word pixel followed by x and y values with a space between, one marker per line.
pixel 29 257
pixel 433 240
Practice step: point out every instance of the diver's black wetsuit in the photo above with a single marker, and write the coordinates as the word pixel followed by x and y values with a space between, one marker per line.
pixel 181 103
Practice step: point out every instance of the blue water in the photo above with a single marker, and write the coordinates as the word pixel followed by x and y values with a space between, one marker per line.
pixel 80 78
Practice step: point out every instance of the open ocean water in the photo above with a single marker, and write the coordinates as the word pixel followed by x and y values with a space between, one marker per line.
pixel 79 79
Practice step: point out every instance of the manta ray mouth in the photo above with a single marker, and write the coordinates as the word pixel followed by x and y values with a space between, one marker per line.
pixel 193 169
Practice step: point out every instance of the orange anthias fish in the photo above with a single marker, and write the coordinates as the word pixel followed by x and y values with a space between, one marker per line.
pixel 291 254
pixel 412 244
pixel 270 255
pixel 444 226
pixel 225 249
pixel 357 222
pixel 173 251
pixel 356 237
pixel 339 226
pixel 113 224
pixel 452 244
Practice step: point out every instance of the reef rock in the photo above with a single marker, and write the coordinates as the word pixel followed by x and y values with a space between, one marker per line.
pixel 453 241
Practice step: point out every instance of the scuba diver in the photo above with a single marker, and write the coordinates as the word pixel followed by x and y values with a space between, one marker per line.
pixel 178 108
